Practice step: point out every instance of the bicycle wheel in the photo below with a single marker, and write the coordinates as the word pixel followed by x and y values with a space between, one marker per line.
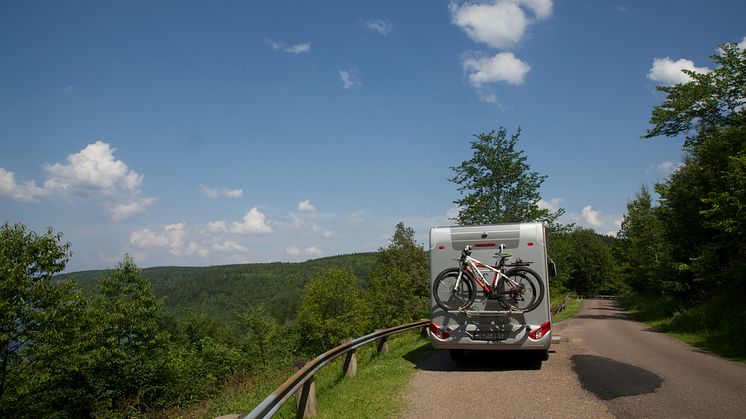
pixel 529 294
pixel 448 296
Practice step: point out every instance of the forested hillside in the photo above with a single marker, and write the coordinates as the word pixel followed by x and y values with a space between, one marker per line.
pixel 223 292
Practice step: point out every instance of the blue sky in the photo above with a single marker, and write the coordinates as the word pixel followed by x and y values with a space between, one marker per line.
pixel 203 133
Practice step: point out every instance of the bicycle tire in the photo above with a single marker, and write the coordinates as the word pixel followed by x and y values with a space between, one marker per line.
pixel 532 294
pixel 443 290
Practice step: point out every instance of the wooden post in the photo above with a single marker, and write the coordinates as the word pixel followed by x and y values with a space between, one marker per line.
pixel 305 397
pixel 383 345
pixel 423 332
pixel 350 366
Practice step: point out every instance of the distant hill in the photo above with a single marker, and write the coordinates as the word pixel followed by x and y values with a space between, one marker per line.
pixel 225 291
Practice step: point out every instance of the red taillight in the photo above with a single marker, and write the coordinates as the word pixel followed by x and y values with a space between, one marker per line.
pixel 438 332
pixel 541 331
pixel 485 244
pixel 530 243
pixel 441 247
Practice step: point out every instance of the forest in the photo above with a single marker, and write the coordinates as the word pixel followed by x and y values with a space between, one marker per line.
pixel 128 342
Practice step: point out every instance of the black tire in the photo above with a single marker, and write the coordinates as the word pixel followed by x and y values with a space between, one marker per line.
pixel 532 289
pixel 446 297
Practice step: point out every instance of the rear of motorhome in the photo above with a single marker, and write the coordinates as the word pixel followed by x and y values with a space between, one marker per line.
pixel 485 324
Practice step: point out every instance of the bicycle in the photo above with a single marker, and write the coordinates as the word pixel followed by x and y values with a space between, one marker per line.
pixel 516 289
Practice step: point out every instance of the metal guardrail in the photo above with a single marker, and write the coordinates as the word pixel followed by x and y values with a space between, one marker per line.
pixel 556 309
pixel 303 378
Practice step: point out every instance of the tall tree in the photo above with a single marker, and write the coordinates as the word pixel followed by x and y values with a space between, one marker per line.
pixel 497 184
pixel 399 280
pixel 35 308
pixel 702 203
pixel 640 248
pixel 332 308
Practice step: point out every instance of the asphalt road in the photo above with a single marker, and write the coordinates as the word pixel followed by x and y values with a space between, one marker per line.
pixel 608 365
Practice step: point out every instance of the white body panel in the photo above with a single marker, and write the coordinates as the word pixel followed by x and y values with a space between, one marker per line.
pixel 525 241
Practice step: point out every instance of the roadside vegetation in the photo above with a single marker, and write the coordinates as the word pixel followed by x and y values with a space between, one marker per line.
pixel 198 342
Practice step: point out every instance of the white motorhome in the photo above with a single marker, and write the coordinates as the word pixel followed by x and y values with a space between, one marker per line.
pixel 485 324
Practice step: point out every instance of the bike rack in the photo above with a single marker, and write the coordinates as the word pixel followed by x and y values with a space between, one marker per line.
pixel 478 313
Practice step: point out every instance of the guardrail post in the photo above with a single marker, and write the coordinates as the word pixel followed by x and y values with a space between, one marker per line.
pixel 423 332
pixel 305 397
pixel 350 366
pixel 383 344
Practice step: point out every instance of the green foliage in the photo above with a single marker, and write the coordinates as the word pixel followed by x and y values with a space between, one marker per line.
pixel 332 308
pixel 584 263
pixel 702 203
pixel 35 310
pixel 266 344
pixel 497 183
pixel 640 249
pixel 224 292
pixel 399 281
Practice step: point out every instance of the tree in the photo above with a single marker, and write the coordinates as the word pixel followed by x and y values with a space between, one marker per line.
pixel 497 183
pixel 332 308
pixel 640 249
pixel 35 308
pixel 702 203
pixel 584 262
pixel 399 281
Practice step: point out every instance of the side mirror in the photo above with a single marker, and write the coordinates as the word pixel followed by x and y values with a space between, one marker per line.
pixel 552 269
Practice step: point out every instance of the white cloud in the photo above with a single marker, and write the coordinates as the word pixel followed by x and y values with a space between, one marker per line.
pixel 349 78
pixel 742 44
pixel 91 174
pixel 591 216
pixel 377 25
pixel 293 250
pixel 216 227
pixel 667 71
pixel 26 192
pixel 300 48
pixel 172 237
pixel 215 192
pixel 123 211
pixel 253 222
pixel 552 205
pixel 68 89
pixel 306 206
pixel 313 250
pixel 93 169
pixel 500 24
pixel 230 246
pixel 504 66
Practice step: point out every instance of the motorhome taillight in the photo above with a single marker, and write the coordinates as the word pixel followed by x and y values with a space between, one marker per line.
pixel 541 331
pixel 439 333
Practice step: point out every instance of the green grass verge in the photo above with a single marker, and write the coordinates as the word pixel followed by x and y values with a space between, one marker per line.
pixel 571 309
pixel 376 392
pixel 717 326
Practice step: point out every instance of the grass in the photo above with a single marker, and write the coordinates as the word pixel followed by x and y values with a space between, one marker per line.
pixel 717 326
pixel 570 310
pixel 376 392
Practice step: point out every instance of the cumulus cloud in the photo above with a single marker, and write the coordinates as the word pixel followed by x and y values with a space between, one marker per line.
pixel 253 222
pixel 91 174
pixel 216 227
pixel 591 216
pixel 552 205
pixel 349 78
pixel 377 25
pixel 306 206
pixel 667 71
pixel 230 246
pixel 126 210
pixel 172 237
pixel 218 192
pixel 742 44
pixel 500 24
pixel 313 251
pixel 26 192
pixel 293 250
pixel 504 66
pixel 300 48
